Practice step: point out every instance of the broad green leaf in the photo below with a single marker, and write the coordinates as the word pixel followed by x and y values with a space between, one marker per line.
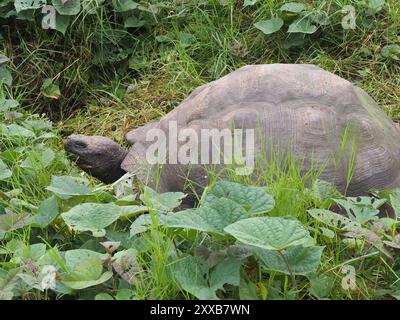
pixel 74 258
pixel 38 125
pixel 254 200
pixel 27 15
pixel 6 104
pixel 48 136
pixel 12 221
pixel 320 18
pixel 92 217
pixel 128 212
pixel 30 280
pixel 395 203
pixel 332 219
pixel 3 59
pixel 361 201
pixel 53 257
pixel 26 252
pixel 125 294
pixel 211 257
pixel 92 6
pixel 361 209
pixel 36 251
pixel 41 159
pixel 321 285
pixel 211 218
pixel 302 260
pixel 269 26
pixel 186 39
pixel 142 223
pixel 12 246
pixel 294 7
pixel 6 294
pixel 48 211
pixel 103 296
pixel 66 186
pixel 8 281
pixel 324 191
pixel 7 10
pixel 366 235
pixel 126 265
pixel 134 22
pixel 20 203
pixel 225 272
pixel 84 269
pixel 191 273
pixel 387 224
pixel 50 89
pixel 249 3
pixel 21 5
pixel 271 233
pixel 194 276
pixel 124 5
pixel 5 173
pixel 239 252
pixel 385 194
pixel 125 200
pixel 5 75
pixel 248 290
pixel 12 115
pixel 62 24
pixel 376 5
pixel 67 8
pixel 15 130
pixel 327 233
pixel 122 237
pixel 163 202
pixel 391 51
pixel 396 294
pixel 166 37
pixel 11 156
pixel 120 256
pixel 81 282
pixel 302 25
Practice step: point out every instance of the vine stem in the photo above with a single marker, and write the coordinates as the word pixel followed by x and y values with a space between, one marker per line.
pixel 285 259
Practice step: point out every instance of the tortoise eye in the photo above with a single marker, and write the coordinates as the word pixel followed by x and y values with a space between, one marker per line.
pixel 80 144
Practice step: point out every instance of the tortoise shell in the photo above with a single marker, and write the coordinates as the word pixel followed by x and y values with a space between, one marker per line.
pixel 319 117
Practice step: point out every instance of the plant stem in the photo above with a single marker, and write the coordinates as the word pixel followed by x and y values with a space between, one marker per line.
pixel 285 259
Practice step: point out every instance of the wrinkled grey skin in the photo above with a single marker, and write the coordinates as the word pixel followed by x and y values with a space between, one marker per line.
pixel 99 156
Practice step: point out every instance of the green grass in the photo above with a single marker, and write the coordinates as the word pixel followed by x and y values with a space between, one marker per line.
pixel 160 249
pixel 221 39
pixel 114 79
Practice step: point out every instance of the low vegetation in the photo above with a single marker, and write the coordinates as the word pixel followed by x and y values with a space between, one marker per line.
pixel 112 66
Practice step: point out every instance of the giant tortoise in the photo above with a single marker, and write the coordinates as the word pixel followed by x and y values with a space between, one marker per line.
pixel 319 117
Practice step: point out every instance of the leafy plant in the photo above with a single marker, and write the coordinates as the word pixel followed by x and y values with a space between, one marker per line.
pixel 122 63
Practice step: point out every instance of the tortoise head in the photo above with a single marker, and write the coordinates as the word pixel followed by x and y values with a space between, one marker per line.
pixel 99 156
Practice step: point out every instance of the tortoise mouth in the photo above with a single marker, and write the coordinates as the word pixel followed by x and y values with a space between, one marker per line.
pixel 79 161
pixel 83 164
pixel 86 164
pixel 75 156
